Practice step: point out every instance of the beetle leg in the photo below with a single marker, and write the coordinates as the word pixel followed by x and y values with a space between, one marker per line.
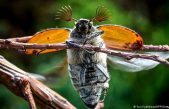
pixel 93 52
pixel 104 92
pixel 72 44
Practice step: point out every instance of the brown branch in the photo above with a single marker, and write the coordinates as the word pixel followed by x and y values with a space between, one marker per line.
pixel 17 45
pixel 156 47
pixel 122 54
pixel 27 87
pixel 21 39
pixel 145 47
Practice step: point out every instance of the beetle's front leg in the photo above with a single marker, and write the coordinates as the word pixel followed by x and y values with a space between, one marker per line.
pixel 93 35
pixel 72 44
pixel 93 52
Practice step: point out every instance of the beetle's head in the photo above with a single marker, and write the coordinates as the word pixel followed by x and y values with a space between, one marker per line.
pixel 83 25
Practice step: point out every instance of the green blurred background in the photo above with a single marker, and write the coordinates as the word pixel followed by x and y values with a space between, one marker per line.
pixel 150 18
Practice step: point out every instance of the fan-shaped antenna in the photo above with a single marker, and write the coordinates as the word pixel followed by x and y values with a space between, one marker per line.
pixel 102 14
pixel 65 13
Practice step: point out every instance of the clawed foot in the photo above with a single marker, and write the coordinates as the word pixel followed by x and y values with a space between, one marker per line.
pixel 72 44
pixel 104 95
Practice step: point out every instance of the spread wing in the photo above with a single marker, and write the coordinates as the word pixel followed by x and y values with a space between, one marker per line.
pixel 49 36
pixel 136 64
pixel 121 38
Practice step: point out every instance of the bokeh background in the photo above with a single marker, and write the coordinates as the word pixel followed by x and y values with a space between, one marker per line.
pixel 150 18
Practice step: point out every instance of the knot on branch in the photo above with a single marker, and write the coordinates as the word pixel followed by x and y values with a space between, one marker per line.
pixel 7 41
pixel 128 57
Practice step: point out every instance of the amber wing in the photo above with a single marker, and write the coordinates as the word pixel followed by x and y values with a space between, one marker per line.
pixel 121 38
pixel 49 36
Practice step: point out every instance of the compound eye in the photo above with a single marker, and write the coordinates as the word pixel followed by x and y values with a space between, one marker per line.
pixel 79 24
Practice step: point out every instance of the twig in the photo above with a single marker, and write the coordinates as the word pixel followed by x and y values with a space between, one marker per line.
pixel 17 45
pixel 122 54
pixel 156 47
pixel 21 39
pixel 145 47
pixel 6 43
pixel 22 84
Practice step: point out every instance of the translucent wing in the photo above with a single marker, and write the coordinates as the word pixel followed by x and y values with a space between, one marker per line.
pixel 57 74
pixel 121 38
pixel 55 35
pixel 136 64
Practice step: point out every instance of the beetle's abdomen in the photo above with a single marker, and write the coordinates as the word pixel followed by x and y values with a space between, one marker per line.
pixel 88 69
pixel 89 80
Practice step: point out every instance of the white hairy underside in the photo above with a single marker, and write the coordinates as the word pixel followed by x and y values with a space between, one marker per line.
pixel 75 56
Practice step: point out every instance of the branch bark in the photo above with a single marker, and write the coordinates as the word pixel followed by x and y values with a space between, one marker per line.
pixel 11 43
pixel 156 47
pixel 24 85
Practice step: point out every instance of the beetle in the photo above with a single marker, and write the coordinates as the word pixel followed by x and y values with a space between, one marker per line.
pixel 88 70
